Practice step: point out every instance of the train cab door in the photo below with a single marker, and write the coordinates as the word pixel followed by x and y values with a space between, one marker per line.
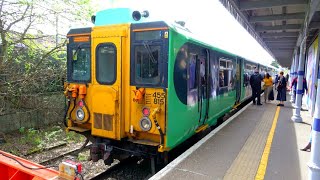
pixel 106 89
pixel 238 80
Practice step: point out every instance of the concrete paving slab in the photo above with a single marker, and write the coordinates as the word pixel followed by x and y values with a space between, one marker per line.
pixel 286 161
pixel 217 154
pixel 178 174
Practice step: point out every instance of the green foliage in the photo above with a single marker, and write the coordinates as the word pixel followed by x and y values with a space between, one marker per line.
pixel 14 151
pixel 22 130
pixel 33 140
pixel 53 134
pixel 72 136
pixel 32 137
pixel 82 157
pixel 33 62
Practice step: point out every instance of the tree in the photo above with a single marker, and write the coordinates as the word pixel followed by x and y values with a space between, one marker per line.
pixel 30 60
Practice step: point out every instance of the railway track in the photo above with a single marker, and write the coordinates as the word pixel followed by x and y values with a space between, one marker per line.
pixel 130 168
pixel 53 155
pixel 62 144
pixel 70 152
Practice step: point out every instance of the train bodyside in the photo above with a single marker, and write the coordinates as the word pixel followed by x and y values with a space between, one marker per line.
pixel 195 103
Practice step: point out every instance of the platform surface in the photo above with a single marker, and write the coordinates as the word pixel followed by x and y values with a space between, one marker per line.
pixel 257 144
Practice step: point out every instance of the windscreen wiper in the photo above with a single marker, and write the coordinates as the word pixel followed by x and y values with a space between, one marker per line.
pixel 146 45
pixel 77 50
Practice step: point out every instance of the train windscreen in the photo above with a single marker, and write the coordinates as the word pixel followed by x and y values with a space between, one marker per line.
pixel 147 64
pixel 148 67
pixel 80 70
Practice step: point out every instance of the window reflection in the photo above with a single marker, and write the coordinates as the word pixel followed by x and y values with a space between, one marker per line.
pixel 80 64
pixel 225 73
pixel 106 64
pixel 147 64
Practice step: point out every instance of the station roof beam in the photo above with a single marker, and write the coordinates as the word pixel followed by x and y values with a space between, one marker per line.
pixel 260 28
pixel 280 34
pixel 276 17
pixel 251 5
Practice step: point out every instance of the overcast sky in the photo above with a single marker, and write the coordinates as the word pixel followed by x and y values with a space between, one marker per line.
pixel 206 18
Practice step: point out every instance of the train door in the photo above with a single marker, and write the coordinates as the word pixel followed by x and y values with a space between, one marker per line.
pixel 238 79
pixel 106 98
pixel 203 70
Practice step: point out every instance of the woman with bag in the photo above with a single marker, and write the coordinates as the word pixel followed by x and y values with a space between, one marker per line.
pixel 281 88
pixel 267 86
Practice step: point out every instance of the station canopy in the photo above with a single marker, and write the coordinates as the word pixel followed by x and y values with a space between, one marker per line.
pixel 278 25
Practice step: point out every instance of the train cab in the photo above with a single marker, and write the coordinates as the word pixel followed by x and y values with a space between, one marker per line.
pixel 117 82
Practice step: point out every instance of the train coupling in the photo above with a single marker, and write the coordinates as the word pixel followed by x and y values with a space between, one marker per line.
pixel 101 151
pixel 140 161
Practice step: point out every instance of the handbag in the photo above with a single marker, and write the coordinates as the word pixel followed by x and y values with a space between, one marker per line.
pixel 279 86
pixel 271 95
pixel 263 85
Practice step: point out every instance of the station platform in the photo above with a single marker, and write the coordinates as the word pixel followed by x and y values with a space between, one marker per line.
pixel 258 142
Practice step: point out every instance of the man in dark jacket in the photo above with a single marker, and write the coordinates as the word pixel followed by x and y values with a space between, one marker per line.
pixel 255 82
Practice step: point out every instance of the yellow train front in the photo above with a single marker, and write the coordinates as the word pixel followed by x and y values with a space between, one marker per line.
pixel 106 102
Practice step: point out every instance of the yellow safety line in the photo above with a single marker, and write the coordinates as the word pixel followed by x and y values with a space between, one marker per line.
pixel 265 156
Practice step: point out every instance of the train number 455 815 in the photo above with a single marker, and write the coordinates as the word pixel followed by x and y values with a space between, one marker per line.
pixel 159 98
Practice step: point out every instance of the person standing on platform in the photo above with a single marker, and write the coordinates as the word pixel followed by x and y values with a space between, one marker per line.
pixel 267 86
pixel 308 146
pixel 255 82
pixel 281 88
pixel 294 85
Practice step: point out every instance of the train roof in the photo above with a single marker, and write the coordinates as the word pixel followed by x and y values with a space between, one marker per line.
pixel 200 40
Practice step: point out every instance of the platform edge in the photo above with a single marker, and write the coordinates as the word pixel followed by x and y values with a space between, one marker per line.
pixel 183 156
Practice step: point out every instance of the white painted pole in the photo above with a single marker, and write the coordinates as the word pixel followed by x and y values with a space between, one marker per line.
pixel 296 116
pixel 314 163
pixel 293 75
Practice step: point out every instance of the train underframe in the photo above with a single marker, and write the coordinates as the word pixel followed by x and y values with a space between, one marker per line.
pixel 108 150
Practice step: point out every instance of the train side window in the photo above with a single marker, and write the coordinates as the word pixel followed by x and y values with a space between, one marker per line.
pixel 106 63
pixel 223 64
pixel 248 67
pixel 246 75
pixel 225 72
pixel 192 76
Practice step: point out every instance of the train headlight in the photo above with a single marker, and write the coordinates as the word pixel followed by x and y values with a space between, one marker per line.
pixel 80 114
pixel 145 124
